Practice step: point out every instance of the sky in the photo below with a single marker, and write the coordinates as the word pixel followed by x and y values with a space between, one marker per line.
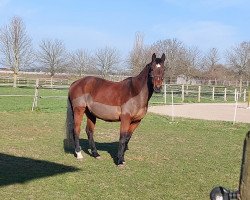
pixel 94 24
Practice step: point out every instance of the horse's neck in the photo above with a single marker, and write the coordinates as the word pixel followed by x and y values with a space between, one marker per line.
pixel 143 82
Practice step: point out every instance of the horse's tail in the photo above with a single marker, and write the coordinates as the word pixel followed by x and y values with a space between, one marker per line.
pixel 68 141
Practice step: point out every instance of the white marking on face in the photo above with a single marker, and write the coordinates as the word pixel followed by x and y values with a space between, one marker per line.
pixel 158 65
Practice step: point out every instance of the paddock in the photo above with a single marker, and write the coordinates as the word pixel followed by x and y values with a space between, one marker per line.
pixel 182 160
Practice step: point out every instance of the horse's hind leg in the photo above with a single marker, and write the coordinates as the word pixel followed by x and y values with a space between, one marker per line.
pixel 91 120
pixel 78 115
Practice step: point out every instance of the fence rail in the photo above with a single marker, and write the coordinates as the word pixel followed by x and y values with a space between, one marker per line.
pixel 24 81
pixel 205 92
pixel 181 93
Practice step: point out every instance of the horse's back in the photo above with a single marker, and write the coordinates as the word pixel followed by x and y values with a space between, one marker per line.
pixel 85 85
pixel 101 90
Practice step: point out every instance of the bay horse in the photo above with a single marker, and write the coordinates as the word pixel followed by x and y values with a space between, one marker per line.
pixel 125 101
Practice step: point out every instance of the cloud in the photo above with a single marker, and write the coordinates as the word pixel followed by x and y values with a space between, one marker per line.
pixel 85 37
pixel 204 34
pixel 207 34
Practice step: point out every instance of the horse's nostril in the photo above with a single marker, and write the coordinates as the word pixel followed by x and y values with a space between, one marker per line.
pixel 157 89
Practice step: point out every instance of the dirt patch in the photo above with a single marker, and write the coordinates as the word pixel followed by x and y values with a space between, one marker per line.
pixel 223 112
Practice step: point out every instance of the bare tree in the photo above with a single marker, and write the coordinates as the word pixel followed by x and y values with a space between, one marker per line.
pixel 15 47
pixel 140 54
pixel 191 62
pixel 81 61
pixel 106 59
pixel 212 58
pixel 238 59
pixel 211 65
pixel 52 56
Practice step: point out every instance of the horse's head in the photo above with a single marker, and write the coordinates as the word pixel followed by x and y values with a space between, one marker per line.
pixel 157 72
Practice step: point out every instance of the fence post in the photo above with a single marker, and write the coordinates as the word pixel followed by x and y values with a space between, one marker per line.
pixel 248 101
pixel 199 94
pixel 51 82
pixel 213 94
pixel 34 105
pixel 235 94
pixel 225 94
pixel 244 95
pixel 165 93
pixel 182 93
pixel 245 170
pixel 235 107
pixel 172 102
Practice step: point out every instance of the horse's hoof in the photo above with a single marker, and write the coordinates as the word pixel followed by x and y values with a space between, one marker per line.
pixel 121 163
pixel 79 155
pixel 121 166
pixel 98 157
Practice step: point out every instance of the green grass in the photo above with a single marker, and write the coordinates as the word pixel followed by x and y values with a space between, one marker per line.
pixel 19 104
pixel 181 160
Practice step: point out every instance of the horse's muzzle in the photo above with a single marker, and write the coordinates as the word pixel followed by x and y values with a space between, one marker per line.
pixel 157 89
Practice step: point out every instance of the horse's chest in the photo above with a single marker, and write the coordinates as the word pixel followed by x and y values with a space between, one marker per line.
pixel 136 107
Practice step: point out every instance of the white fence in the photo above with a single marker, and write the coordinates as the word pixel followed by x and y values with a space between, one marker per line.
pixel 29 82
pixel 202 92
pixel 181 93
pixel 48 82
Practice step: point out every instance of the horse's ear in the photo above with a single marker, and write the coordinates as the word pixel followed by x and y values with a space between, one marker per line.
pixel 153 57
pixel 163 57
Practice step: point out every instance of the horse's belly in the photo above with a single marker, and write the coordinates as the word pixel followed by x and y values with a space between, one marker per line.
pixel 105 112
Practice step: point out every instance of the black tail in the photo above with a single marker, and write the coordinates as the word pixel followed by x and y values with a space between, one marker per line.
pixel 69 141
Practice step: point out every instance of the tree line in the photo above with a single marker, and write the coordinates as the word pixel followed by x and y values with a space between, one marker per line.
pixel 192 63
pixel 17 53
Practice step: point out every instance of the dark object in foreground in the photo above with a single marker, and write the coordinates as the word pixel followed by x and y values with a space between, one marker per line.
pixel 220 193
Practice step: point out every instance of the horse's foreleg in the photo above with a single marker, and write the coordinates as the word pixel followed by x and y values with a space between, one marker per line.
pixel 131 129
pixel 90 131
pixel 121 148
pixel 78 115
pixel 124 135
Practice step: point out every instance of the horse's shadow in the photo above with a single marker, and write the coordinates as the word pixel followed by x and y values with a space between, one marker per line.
pixel 19 169
pixel 110 147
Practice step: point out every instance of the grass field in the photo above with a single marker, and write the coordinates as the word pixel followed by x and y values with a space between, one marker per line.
pixel 182 160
